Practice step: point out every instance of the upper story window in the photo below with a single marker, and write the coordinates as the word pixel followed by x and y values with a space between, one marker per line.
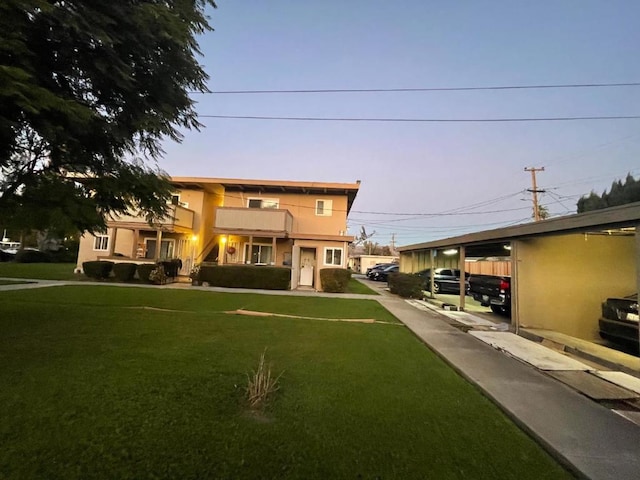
pixel 263 203
pixel 324 208
pixel 175 200
pixel 101 243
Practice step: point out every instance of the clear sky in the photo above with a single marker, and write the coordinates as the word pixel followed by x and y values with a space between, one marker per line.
pixel 422 180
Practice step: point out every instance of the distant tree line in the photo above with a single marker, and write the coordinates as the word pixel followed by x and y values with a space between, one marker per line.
pixel 619 194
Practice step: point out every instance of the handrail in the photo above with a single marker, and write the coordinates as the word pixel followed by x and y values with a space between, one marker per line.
pixel 207 248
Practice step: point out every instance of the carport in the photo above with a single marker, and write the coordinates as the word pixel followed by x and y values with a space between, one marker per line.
pixel 562 269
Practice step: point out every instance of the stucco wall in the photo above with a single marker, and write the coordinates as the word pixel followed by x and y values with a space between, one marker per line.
pixel 85 250
pixel 562 280
pixel 302 207
pixel 319 247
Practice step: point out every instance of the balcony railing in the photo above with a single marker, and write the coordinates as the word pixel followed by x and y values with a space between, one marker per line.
pixel 232 219
pixel 177 218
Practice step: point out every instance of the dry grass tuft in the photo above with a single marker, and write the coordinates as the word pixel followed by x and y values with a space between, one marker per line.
pixel 261 384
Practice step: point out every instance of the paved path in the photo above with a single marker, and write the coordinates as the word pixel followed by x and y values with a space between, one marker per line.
pixel 591 440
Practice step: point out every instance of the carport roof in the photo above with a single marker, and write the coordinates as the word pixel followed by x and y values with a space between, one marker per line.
pixel 598 220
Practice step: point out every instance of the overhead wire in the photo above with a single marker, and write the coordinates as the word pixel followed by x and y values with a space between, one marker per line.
pixel 422 120
pixel 421 89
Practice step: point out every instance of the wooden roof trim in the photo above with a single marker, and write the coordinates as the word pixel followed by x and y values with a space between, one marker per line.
pixel 249 183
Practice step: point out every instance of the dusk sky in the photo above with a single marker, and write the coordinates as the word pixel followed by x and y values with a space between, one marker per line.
pixel 422 180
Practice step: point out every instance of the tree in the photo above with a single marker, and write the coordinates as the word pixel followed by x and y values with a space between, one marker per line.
pixel 363 237
pixel 619 194
pixel 543 212
pixel 372 248
pixel 88 90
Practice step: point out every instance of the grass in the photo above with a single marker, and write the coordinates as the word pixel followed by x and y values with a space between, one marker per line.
pixel 40 271
pixel 12 282
pixel 261 384
pixel 95 386
pixel 355 286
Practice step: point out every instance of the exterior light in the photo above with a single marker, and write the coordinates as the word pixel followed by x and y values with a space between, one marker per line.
pixel 507 247
pixel 223 240
pixel 194 238
pixel 451 251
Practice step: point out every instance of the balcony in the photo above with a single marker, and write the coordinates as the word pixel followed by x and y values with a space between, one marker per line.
pixel 178 219
pixel 253 221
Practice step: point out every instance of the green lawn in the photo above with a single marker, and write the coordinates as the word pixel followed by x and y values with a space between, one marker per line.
pixel 355 286
pixel 11 282
pixel 41 271
pixel 113 382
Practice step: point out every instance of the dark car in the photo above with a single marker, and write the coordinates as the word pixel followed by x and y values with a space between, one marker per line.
pixel 377 265
pixel 377 268
pixel 445 280
pixel 383 275
pixel 619 322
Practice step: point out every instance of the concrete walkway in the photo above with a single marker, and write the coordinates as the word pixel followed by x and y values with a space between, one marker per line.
pixel 589 439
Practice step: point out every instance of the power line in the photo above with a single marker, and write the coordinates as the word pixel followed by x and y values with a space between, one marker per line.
pixel 421 120
pixel 441 214
pixel 417 215
pixel 428 89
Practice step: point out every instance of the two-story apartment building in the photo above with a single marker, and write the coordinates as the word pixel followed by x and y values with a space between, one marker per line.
pixel 301 225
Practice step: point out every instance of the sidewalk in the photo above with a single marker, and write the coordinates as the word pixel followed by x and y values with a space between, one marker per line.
pixel 588 438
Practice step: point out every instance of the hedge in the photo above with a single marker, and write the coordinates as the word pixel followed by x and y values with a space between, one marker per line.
pixel 405 285
pixel 32 256
pixel 335 280
pixel 124 271
pixel 171 267
pixel 144 270
pixel 246 276
pixel 99 269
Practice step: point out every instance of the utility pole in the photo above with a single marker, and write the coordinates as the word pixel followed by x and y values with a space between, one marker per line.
pixel 534 190
pixel 393 243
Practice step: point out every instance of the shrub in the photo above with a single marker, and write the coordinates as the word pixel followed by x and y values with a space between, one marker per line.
pixel 63 255
pixel 124 271
pixel 97 269
pixel 334 280
pixel 6 257
pixel 246 276
pixel 144 270
pixel 32 256
pixel 405 285
pixel 195 273
pixel 171 267
pixel 158 275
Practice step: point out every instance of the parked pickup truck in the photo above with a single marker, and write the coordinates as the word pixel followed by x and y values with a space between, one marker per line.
pixel 492 291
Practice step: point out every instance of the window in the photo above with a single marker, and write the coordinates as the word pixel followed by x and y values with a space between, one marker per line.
pixel 175 200
pixel 101 243
pixel 333 256
pixel 166 248
pixel 259 253
pixel 263 203
pixel 323 208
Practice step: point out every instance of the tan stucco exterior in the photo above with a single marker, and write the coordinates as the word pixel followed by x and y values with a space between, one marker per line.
pixel 562 280
pixel 212 222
